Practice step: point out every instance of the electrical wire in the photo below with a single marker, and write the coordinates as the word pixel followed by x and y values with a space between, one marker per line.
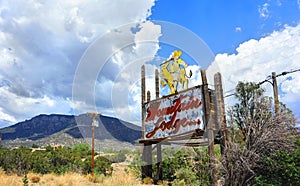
pixel 268 78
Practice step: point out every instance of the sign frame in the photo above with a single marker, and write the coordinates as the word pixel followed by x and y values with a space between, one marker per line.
pixel 174 115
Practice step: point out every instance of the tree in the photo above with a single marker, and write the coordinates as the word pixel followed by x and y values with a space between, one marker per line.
pixel 244 110
pixel 263 133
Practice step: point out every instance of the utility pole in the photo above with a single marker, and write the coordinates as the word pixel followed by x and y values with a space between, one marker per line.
pixel 275 90
pixel 94 115
pixel 275 87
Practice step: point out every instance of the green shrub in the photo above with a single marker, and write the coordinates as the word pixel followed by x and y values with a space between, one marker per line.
pixel 117 157
pixel 147 180
pixel 188 176
pixel 280 169
pixel 181 167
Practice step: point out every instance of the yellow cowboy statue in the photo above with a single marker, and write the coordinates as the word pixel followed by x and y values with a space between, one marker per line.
pixel 173 71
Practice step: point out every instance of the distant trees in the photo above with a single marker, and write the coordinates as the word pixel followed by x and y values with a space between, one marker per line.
pixel 117 157
pixel 256 133
pixel 59 161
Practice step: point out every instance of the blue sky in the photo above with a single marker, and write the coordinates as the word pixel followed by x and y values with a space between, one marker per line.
pixel 223 25
pixel 52 53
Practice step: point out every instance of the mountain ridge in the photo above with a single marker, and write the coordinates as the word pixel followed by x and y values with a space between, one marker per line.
pixel 79 127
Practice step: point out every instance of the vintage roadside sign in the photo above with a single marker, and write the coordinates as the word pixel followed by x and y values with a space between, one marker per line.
pixel 175 114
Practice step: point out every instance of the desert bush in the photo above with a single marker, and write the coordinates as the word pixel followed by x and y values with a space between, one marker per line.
pixel 96 178
pixel 186 176
pixel 263 135
pixel 2 171
pixel 117 157
pixel 34 178
pixel 186 166
pixel 280 169
pixel 148 180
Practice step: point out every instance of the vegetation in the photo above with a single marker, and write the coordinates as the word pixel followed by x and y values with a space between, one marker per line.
pixel 52 160
pixel 281 168
pixel 117 156
pixel 256 135
pixel 71 179
pixel 180 167
pixel 260 151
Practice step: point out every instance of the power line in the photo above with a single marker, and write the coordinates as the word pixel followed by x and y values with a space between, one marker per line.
pixel 229 95
pixel 230 90
pixel 268 78
pixel 278 75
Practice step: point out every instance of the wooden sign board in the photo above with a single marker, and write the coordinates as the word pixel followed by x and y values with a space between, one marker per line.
pixel 175 114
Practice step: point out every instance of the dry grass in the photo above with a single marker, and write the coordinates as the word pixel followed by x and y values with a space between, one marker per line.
pixel 119 177
pixel 10 180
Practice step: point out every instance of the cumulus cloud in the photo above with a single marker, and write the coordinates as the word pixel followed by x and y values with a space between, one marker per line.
pixel 256 59
pixel 125 89
pixel 107 75
pixel 41 44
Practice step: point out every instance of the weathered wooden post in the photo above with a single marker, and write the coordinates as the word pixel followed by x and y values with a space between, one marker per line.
pixel 220 110
pixel 209 123
pixel 158 151
pixel 148 151
pixel 143 94
pixel 206 97
pixel 143 89
pixel 211 144
pixel 156 84
pixel 147 146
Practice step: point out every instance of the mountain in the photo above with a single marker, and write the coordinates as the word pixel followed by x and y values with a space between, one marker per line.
pixel 69 129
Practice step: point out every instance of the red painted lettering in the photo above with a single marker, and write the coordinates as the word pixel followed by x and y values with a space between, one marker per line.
pixel 152 112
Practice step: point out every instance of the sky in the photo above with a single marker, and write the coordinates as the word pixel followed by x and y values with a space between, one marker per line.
pixel 72 57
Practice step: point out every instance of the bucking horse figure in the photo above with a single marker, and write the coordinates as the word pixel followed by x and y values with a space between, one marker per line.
pixel 173 71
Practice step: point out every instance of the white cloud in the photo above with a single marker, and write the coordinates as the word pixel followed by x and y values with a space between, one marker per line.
pixel 16 105
pixel 238 29
pixel 264 11
pixel 278 3
pixel 114 70
pixel 7 117
pixel 298 2
pixel 256 59
pixel 126 88
pixel 41 44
